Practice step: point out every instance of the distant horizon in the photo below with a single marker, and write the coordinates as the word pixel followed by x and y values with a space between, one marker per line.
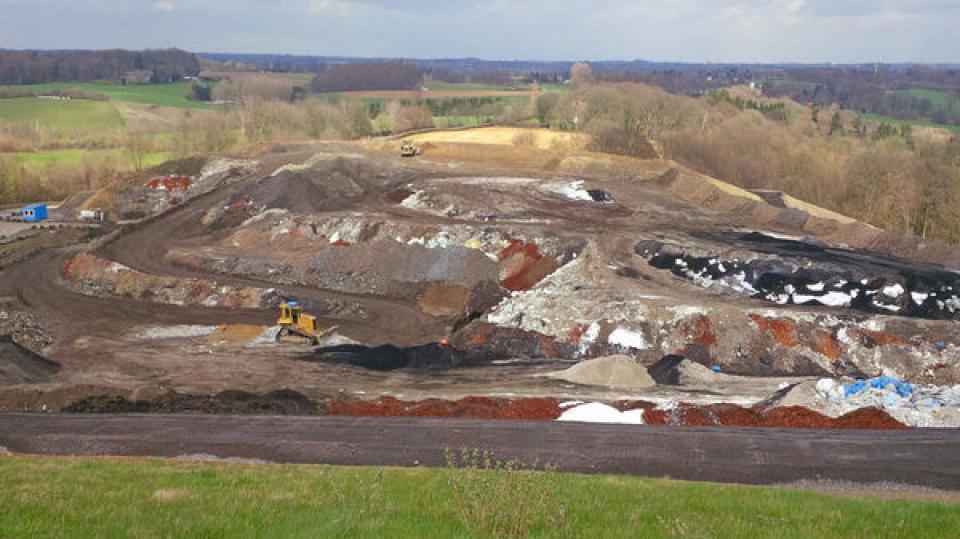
pixel 203 53
pixel 758 32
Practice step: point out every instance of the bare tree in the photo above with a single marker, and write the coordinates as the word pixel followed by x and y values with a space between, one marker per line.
pixel 412 117
pixel 581 73
pixel 136 145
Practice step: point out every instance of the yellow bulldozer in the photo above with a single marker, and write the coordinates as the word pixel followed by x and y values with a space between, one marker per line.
pixel 409 149
pixel 294 322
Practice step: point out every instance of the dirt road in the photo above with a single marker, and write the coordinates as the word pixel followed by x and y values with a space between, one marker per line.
pixel 926 457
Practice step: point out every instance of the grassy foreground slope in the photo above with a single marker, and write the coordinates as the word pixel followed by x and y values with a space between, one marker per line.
pixel 56 497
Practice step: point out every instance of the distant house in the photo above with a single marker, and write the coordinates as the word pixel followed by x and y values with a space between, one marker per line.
pixel 139 76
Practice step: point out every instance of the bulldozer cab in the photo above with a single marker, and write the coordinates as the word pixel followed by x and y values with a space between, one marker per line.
pixel 290 313
pixel 408 149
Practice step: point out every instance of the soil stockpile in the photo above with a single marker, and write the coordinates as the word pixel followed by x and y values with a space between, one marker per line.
pixel 618 372
pixel 325 184
pixel 281 402
pixel 21 366
pixel 390 358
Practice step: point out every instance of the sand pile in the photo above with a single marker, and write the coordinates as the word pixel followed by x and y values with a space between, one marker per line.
pixel 619 372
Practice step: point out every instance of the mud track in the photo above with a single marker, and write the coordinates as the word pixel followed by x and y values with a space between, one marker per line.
pixel 37 285
pixel 925 457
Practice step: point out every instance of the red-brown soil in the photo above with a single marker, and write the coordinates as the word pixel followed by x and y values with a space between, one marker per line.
pixel 727 415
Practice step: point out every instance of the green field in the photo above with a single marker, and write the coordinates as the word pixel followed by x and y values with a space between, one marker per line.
pixel 554 87
pixel 37 161
pixel 917 123
pixel 167 95
pixel 940 100
pixel 299 77
pixel 64 497
pixel 443 86
pixel 64 115
pixel 444 122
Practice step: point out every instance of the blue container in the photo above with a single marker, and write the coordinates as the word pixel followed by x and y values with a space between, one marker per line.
pixel 34 213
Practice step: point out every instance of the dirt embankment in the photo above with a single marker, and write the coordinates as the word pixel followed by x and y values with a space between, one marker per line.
pixel 19 365
pixel 94 276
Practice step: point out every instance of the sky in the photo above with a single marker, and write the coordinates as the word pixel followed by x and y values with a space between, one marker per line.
pixel 839 31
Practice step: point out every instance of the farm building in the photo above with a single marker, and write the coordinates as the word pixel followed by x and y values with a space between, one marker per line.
pixel 34 213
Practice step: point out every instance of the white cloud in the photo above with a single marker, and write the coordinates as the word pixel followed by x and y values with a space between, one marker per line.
pixel 336 8
pixel 164 6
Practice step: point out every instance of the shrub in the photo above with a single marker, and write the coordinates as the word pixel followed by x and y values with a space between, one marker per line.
pixel 504 498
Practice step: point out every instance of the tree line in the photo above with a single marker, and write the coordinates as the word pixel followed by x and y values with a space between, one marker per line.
pixel 35 67
pixel 368 76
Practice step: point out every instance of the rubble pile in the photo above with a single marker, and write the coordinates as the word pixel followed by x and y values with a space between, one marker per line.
pixel 369 254
pixel 25 330
pixel 498 199
pixel 916 405
pixel 161 193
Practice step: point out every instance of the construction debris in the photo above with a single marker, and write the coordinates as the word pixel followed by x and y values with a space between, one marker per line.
pixel 450 277
pixel 912 404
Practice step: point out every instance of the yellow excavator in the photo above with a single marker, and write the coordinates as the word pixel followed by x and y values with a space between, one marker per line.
pixel 409 149
pixel 293 321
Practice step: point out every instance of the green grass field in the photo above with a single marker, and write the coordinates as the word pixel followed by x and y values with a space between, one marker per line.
pixel 443 86
pixel 917 123
pixel 444 122
pixel 37 161
pixel 63 115
pixel 59 497
pixel 938 99
pixel 554 87
pixel 167 95
pixel 299 77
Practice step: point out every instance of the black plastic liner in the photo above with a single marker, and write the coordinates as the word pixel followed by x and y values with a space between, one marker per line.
pixel 809 273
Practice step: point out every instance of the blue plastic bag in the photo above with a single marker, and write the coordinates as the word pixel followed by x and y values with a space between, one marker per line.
pixel 854 388
pixel 904 389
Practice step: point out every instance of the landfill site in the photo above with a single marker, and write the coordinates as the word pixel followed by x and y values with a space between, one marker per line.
pixel 479 279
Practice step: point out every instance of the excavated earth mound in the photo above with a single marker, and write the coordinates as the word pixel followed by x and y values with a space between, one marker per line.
pixel 325 182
